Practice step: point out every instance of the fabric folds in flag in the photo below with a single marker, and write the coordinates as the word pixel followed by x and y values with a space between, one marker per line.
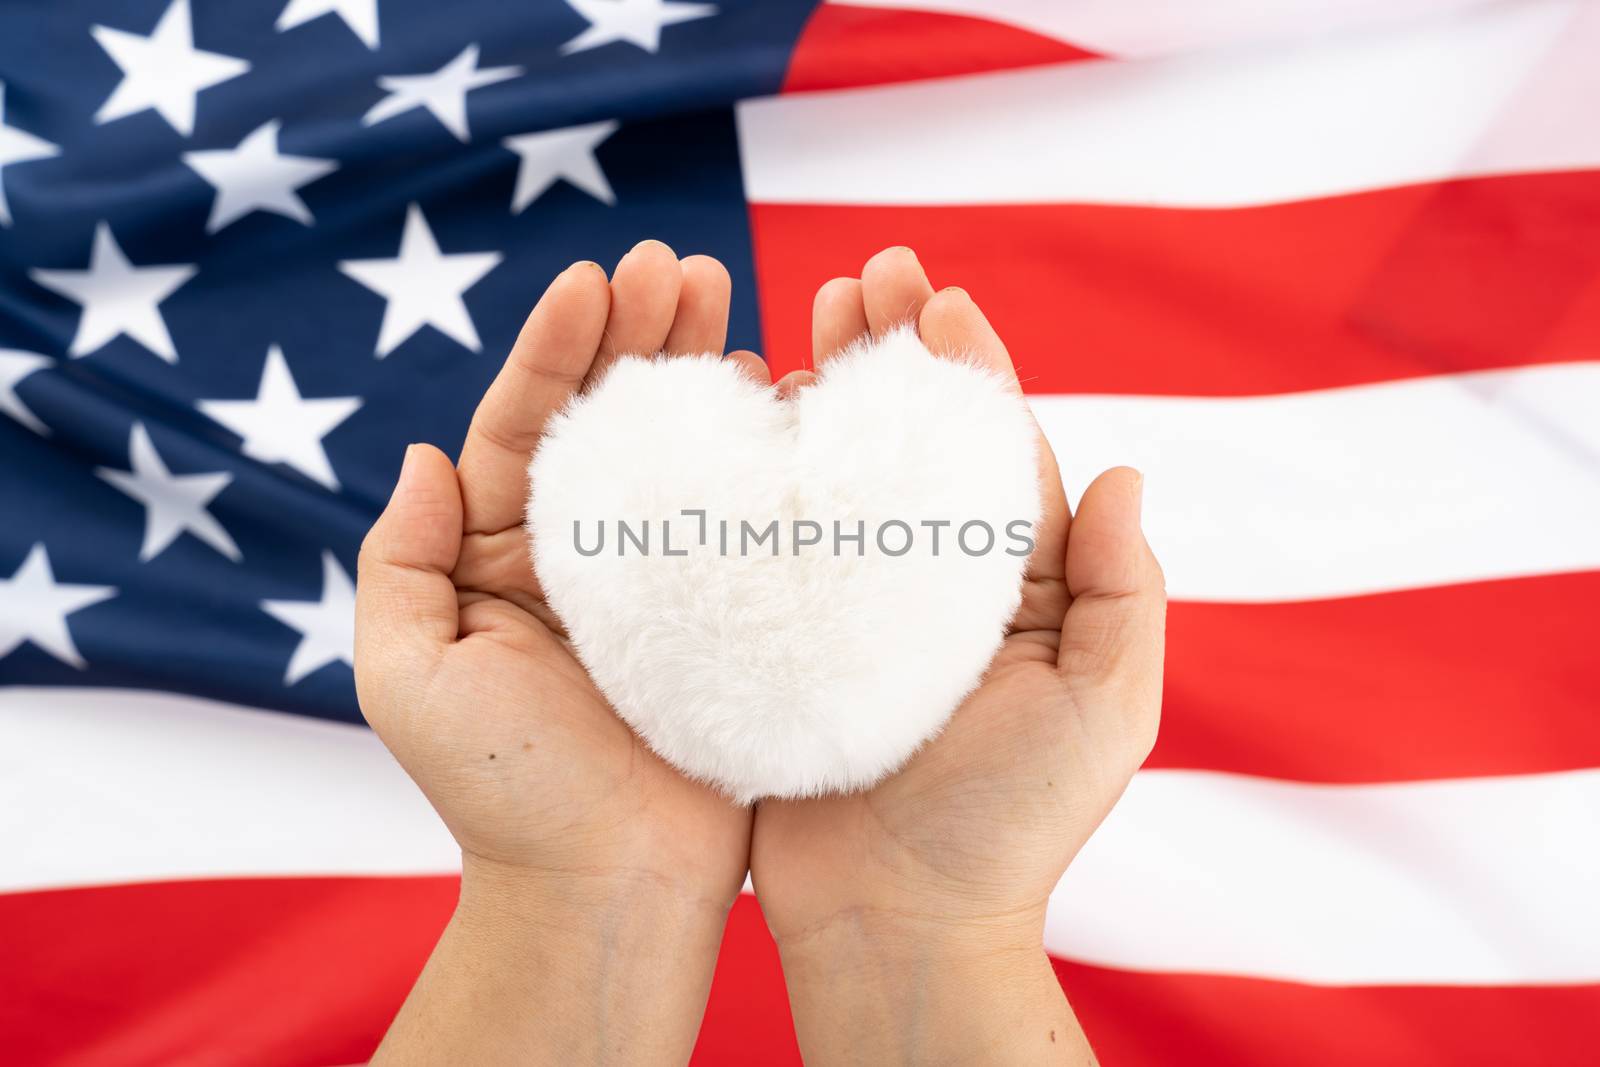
pixel 1327 272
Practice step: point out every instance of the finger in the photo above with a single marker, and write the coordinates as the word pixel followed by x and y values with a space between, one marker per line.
pixel 406 611
pixel 551 356
pixel 793 382
pixel 751 364
pixel 701 324
pixel 1050 535
pixel 838 317
pixel 893 289
pixel 644 301
pixel 954 327
pixel 1114 633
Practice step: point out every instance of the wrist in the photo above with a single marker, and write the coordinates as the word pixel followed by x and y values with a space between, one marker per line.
pixel 872 945
pixel 898 922
pixel 607 937
pixel 547 966
pixel 569 901
pixel 892 987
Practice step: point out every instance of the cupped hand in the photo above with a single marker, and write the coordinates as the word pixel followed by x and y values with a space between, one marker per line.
pixel 953 859
pixel 562 814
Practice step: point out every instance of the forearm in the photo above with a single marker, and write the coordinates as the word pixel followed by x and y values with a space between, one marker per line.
pixel 881 991
pixel 561 970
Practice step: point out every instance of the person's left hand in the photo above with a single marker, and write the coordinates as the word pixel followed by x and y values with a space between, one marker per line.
pixel 910 916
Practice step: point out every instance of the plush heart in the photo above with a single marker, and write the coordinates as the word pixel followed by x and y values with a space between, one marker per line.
pixel 786 597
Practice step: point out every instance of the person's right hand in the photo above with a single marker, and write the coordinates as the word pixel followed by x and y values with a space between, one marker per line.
pixel 910 916
pixel 596 879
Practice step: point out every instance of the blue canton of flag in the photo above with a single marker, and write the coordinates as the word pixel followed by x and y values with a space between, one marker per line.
pixel 249 250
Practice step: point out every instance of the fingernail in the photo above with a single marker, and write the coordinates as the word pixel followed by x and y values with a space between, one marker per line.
pixel 1138 494
pixel 407 470
pixel 646 242
pixel 587 264
pixel 793 382
pixel 956 289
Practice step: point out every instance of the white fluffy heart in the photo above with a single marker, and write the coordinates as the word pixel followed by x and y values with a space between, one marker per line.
pixel 815 669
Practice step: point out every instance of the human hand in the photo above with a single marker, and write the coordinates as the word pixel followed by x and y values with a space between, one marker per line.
pixel 910 917
pixel 575 838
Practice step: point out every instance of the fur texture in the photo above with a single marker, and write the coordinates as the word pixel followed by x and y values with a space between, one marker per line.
pixel 809 671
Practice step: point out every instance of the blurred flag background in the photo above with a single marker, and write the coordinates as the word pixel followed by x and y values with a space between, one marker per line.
pixel 1328 271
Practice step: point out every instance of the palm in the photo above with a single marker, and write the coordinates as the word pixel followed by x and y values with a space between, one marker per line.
pixel 562 752
pixel 478 693
pixel 986 816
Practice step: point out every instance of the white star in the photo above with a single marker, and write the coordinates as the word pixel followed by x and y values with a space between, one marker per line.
pixel 360 15
pixel 117 297
pixel 327 626
pixel 254 176
pixel 17 146
pixel 444 92
pixel 34 607
pixel 422 286
pixel 16 365
pixel 173 502
pixel 164 70
pixel 551 155
pixel 280 426
pixel 635 21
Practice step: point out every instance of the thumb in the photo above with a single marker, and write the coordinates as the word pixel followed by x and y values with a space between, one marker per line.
pixel 405 599
pixel 1115 631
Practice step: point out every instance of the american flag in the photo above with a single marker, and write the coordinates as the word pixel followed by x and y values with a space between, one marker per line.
pixel 1328 271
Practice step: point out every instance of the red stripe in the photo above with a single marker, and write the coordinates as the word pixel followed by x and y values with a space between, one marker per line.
pixel 267 971
pixel 292 972
pixel 747 1019
pixel 1397 283
pixel 1459 681
pixel 1135 1019
pixel 844 46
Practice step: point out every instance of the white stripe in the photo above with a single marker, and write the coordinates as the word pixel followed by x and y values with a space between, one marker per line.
pixel 1356 490
pixel 1506 89
pixel 1486 881
pixel 107 785
pixel 1159 27
pixel 1480 881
